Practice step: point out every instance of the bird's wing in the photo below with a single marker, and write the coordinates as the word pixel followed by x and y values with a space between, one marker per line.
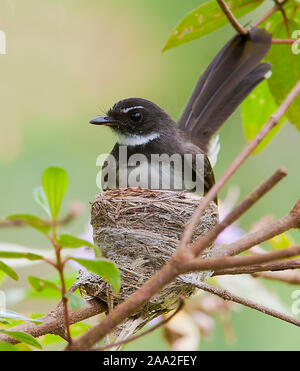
pixel 200 168
pixel 226 82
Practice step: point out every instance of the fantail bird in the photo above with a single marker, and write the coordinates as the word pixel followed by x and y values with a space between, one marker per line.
pixel 143 128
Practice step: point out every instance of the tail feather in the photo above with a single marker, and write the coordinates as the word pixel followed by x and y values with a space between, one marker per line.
pixel 226 82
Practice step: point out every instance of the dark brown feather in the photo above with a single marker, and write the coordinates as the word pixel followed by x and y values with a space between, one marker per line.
pixel 230 77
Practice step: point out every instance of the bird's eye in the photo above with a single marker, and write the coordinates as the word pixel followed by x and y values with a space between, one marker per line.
pixel 136 117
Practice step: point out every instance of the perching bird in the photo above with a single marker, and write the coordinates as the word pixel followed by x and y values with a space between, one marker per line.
pixel 144 130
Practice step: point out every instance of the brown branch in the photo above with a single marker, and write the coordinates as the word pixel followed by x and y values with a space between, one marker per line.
pixel 292 220
pixel 199 245
pixel 231 18
pixel 238 261
pixel 54 321
pixel 274 267
pixel 268 14
pixel 239 160
pixel 147 332
pixel 285 41
pixel 226 295
pixel 291 277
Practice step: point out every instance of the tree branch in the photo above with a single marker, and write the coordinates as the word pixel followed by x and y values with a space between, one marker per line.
pixel 54 321
pixel 292 220
pixel 231 18
pixel 226 295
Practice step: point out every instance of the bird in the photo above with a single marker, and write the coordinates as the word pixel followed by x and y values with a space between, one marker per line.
pixel 154 152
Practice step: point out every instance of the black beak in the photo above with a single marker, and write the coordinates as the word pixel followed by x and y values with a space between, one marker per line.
pixel 104 120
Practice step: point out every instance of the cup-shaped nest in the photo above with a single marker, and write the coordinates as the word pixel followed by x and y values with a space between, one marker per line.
pixel 139 229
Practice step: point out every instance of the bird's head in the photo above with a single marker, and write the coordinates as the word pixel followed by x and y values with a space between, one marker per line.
pixel 135 117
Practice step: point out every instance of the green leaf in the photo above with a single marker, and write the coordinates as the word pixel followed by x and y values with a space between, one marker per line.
pixel 285 71
pixel 4 322
pixel 19 255
pixel 67 240
pixel 5 347
pixel 55 184
pixel 104 268
pixel 206 19
pixel 76 302
pixel 257 108
pixel 9 271
pixel 23 337
pixel 79 328
pixel 281 241
pixel 40 284
pixel 48 293
pixel 9 314
pixel 31 220
pixel 40 197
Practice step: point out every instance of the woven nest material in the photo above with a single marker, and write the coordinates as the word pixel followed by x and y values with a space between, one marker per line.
pixel 139 229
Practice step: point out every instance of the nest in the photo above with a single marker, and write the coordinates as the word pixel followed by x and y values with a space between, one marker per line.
pixel 139 229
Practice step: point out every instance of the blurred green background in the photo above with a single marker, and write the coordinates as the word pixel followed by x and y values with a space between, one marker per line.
pixel 67 61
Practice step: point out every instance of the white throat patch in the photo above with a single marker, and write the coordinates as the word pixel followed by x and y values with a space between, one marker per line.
pixel 136 140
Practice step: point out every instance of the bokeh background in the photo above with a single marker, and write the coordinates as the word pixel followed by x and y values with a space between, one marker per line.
pixel 67 62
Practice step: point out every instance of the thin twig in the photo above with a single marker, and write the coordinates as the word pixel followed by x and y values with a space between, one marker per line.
pixel 285 41
pixel 239 261
pixel 226 295
pixel 291 277
pixel 274 267
pixel 267 15
pixel 234 22
pixel 292 220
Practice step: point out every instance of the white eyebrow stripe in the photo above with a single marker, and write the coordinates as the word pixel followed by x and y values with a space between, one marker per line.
pixel 125 110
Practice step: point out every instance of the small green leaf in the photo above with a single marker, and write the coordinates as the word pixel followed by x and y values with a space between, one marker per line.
pixel 9 271
pixel 67 240
pixel 31 220
pixel 40 197
pixel 4 322
pixel 23 337
pixel 79 328
pixel 285 71
pixel 76 302
pixel 40 284
pixel 104 268
pixel 6 347
pixel 19 255
pixel 257 108
pixel 206 19
pixel 55 184
pixel 9 314
pixel 281 241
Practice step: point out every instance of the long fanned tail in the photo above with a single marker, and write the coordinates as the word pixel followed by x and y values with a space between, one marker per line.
pixel 231 76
